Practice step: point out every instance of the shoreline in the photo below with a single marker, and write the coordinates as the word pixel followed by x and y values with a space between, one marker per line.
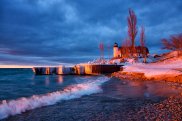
pixel 136 76
pixel 164 108
pixel 168 109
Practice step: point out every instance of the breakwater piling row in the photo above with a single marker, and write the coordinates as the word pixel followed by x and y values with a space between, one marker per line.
pixel 85 69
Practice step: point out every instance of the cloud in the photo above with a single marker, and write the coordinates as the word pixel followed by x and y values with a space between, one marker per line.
pixel 62 31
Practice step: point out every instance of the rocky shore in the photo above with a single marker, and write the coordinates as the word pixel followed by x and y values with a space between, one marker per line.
pixel 169 109
pixel 141 76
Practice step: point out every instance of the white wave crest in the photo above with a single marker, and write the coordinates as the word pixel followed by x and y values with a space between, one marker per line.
pixel 13 107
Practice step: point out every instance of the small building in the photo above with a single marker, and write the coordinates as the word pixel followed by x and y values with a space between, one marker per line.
pixel 127 51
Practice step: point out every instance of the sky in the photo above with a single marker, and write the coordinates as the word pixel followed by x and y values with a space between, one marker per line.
pixel 55 32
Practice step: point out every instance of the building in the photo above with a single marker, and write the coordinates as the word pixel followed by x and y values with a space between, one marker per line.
pixel 127 51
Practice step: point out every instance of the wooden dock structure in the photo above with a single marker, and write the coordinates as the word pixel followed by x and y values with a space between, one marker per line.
pixel 81 69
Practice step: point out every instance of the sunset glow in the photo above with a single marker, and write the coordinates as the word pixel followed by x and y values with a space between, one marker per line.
pixel 90 60
pixel 15 66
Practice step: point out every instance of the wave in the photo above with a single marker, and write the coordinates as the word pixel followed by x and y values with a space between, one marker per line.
pixel 18 106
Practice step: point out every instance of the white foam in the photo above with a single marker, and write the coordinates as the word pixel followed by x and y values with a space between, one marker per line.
pixel 13 107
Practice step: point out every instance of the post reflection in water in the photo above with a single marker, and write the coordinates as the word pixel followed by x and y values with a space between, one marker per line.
pixel 47 80
pixel 32 80
pixel 60 79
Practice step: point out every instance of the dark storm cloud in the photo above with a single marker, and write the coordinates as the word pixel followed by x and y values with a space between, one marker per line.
pixel 61 31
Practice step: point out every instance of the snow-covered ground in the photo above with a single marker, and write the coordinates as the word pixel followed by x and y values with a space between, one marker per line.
pixel 170 65
pixel 156 69
pixel 164 65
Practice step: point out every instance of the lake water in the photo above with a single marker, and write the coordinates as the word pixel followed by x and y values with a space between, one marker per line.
pixel 22 91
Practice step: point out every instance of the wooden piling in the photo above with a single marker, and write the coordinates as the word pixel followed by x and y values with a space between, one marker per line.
pixel 82 69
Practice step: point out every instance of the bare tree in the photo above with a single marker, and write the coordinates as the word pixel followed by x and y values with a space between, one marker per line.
pixel 173 43
pixel 126 44
pixel 142 43
pixel 142 37
pixel 132 27
pixel 101 47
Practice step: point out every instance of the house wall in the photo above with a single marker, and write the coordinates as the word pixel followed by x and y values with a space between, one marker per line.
pixel 115 52
pixel 126 51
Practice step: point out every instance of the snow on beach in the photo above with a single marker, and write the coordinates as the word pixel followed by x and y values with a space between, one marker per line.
pixel 156 69
pixel 167 67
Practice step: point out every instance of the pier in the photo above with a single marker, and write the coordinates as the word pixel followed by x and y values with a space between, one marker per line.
pixel 82 69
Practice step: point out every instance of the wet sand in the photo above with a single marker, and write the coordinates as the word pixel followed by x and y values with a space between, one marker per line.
pixel 120 101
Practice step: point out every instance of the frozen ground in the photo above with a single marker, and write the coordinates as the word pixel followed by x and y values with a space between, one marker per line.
pixel 168 65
